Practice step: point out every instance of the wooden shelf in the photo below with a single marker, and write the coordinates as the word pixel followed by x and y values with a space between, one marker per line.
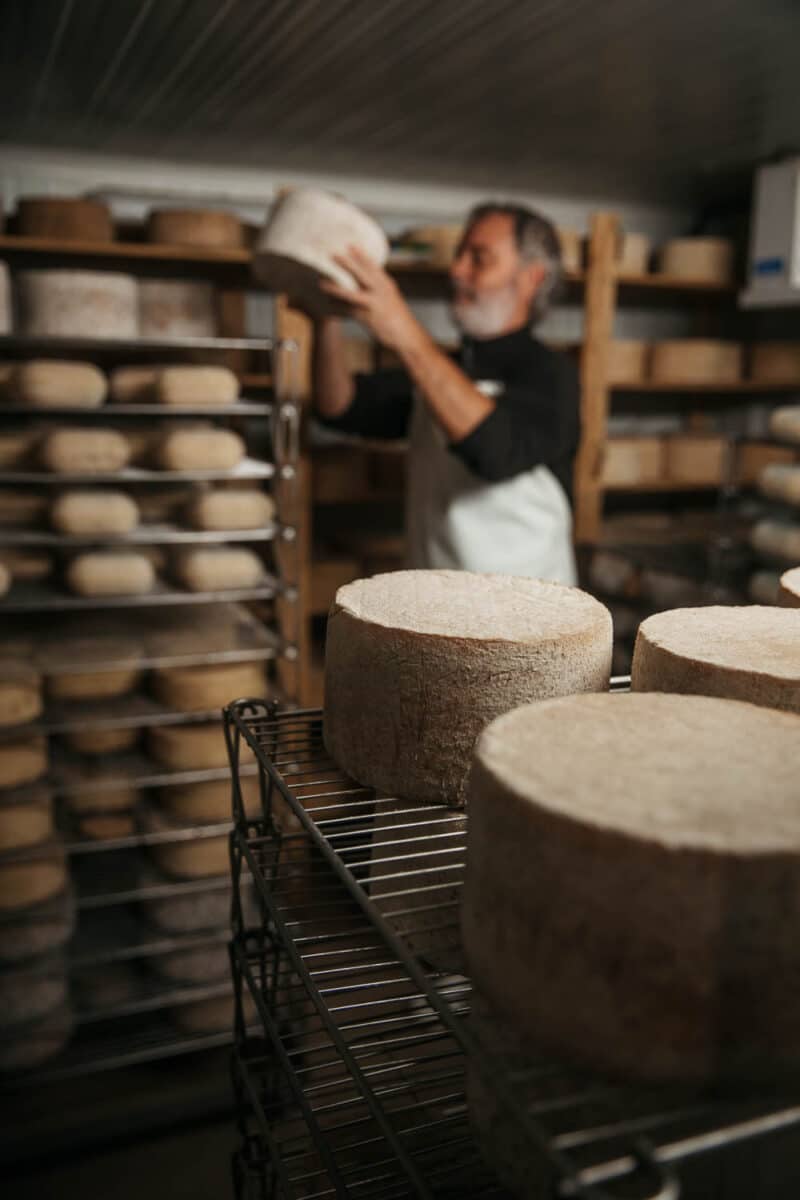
pixel 670 283
pixel 142 251
pixel 745 386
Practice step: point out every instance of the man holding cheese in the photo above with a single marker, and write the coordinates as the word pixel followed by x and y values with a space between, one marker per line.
pixel 493 429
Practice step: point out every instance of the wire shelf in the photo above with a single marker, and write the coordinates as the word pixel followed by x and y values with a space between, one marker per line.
pixel 164 534
pixel 248 468
pixel 30 597
pixel 373 1054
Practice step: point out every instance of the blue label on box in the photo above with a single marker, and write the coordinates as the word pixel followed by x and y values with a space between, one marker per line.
pixel 768 266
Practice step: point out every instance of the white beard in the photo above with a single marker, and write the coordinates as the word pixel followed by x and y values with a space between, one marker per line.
pixel 487 316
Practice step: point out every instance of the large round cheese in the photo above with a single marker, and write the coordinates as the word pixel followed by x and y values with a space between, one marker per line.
pixel 306 228
pixel 780 481
pixel 81 304
pixel 218 568
pixel 26 821
pixel 776 539
pixel 231 508
pixel 775 362
pixel 64 219
pixel 749 653
pixel 101 741
pixel 418 662
pixel 632 887
pixel 195 227
pixel 790 588
pixel 94 512
pixel 188 747
pixel 96 685
pixel 707 260
pixel 784 422
pixel 627 361
pixel 103 799
pixel 200 450
pixel 176 308
pixel 194 858
pixel 193 385
pixel 696 360
pixel 111 573
pixel 23 760
pixel 203 688
pixel 20 692
pixel 85 451
pixel 47 384
pixel 29 881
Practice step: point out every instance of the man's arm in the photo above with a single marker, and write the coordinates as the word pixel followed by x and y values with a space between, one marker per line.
pixel 334 388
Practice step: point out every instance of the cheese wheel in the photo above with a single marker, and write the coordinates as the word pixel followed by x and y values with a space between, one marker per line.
pixel 231 508
pixel 70 219
pixel 37 930
pixel 106 986
pixel 195 227
pixel 780 481
pixel 105 827
pixel 85 451
pixel 210 801
pixel 32 880
pixel 5 579
pixel 176 308
pixel 94 512
pixel 93 685
pixel 105 800
pixel 784 422
pixel 764 587
pixel 418 662
pixel 218 568
pixel 441 242
pixel 790 588
pixel 101 741
pixel 305 229
pixel 707 260
pixel 6 318
pixel 633 255
pixel 201 964
pixel 26 822
pixel 427 856
pixel 775 362
pixel 27 565
pixel 44 1039
pixel 31 989
pixel 696 360
pixel 48 384
pixel 626 362
pixel 111 573
pixel 23 760
pixel 188 747
pixel 746 653
pixel 198 689
pixel 209 909
pixel 90 304
pixel 198 858
pixel 571 244
pixel 132 385
pixel 193 385
pixel 15 446
pixel 639 831
pixel 20 692
pixel 776 539
pixel 200 450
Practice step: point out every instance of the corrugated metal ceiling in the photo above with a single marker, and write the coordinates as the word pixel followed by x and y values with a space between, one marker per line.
pixel 633 97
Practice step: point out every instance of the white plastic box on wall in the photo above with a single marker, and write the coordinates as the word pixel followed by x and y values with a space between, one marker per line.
pixel 774 257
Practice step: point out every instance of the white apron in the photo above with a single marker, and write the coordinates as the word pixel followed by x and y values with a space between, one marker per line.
pixel 520 526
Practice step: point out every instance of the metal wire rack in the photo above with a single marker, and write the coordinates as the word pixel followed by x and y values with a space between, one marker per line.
pixel 359 1085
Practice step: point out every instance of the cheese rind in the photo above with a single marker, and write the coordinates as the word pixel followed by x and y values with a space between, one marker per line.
pixel 231 508
pixel 20 692
pixel 200 450
pixel 65 218
pixel 790 588
pixel 696 360
pixel 191 385
pixel 418 662
pixel 220 568
pixel 90 304
pixel 111 573
pixel 177 308
pixel 580 804
pixel 195 689
pixel 195 227
pixel 23 760
pixel 89 512
pixel 85 451
pixel 47 384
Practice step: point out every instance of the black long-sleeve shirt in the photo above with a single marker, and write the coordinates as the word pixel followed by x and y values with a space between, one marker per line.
pixel 535 422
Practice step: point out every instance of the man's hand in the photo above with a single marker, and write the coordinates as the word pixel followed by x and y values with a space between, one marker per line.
pixel 377 303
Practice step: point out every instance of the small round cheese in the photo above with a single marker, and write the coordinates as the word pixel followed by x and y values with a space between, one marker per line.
pixel 103 799
pixel 627 361
pixel 197 858
pixel 209 909
pixel 37 930
pixel 20 692
pixel 200 450
pixel 776 362
pixel 790 588
pixel 705 259
pixel 27 821
pixel 101 828
pixel 204 688
pixel 188 747
pixel 231 508
pixel 101 741
pixel 749 653
pixel 201 964
pixel 93 685
pixel 696 360
pixel 196 386
pixel 633 873
pixel 111 573
pixel 64 218
pixel 210 801
pixel 23 760
pixel 30 881
pixel 45 383
pixel 195 227
pixel 85 451
pixel 90 304
pixel 94 512
pixel 418 662
pixel 218 568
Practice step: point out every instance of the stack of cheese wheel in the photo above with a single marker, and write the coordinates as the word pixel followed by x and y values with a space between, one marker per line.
pixel 747 653
pixel 698 259
pixel 633 257
pixel 205 688
pixel 305 230
pixel 170 308
pixel 418 662
pixel 195 227
pixel 614 844
pixel 199 857
pixel 64 219
pixel 79 304
pixel 50 384
pixel 696 360
pixel 199 450
pixel 790 588
pixel 775 362
pixel 627 361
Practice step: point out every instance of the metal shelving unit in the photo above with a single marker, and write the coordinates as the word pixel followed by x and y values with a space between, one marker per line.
pixel 358 1082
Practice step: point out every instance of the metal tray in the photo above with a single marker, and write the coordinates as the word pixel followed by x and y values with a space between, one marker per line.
pixel 248 468
pixel 26 597
pixel 144 535
pixel 108 410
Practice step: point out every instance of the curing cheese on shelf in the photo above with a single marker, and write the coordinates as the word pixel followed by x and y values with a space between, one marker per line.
pixel 784 422
pixel 571 246
pixel 103 798
pixel 132 385
pixel 218 568
pixel 20 692
pixel 696 360
pixel 85 451
pixel 170 308
pixel 15 446
pixel 627 361
pixel 195 689
pixel 209 801
pixel 780 481
pixel 31 989
pixel 707 260
pixel 50 384
pixel 5 299
pixel 188 747
pixel 200 450
pixel 62 218
pixel 633 256
pixel 196 858
pixel 94 512
pixel 418 662
pixel 195 227
pixel 27 820
pixel 5 580
pixel 37 929
pixel 101 741
pixel 111 573
pixel 614 844
pixel 28 565
pixel 23 760
pixel 746 653
pixel 30 881
pixel 231 508
pixel 93 685
pixel 77 304
pixel 775 362
pixel 22 509
pixel 776 539
pixel 191 385
pixel 790 588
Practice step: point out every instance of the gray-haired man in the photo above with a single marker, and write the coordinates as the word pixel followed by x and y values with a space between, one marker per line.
pixel 493 430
